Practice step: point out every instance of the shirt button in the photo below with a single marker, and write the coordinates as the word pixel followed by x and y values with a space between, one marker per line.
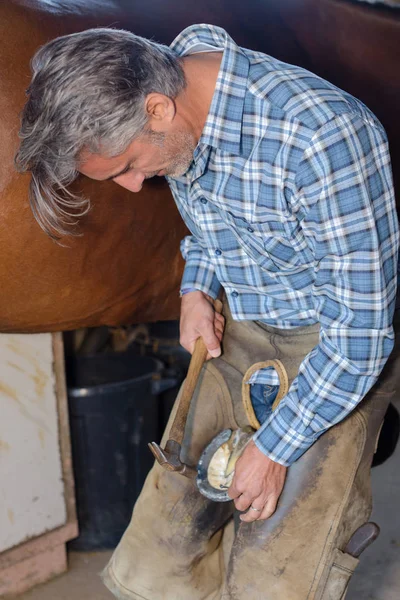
pixel 218 252
pixel 250 229
pixel 235 294
pixel 203 200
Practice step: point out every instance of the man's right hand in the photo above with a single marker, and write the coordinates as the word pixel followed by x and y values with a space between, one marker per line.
pixel 199 319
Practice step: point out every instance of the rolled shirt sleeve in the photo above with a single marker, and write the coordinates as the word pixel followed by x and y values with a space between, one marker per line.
pixel 199 273
pixel 343 197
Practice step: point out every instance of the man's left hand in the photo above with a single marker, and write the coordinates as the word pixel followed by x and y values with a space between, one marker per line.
pixel 258 482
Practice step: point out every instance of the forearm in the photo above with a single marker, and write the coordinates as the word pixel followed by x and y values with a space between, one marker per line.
pixel 328 387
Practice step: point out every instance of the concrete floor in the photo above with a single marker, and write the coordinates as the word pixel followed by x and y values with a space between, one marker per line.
pixel 376 578
pixel 82 582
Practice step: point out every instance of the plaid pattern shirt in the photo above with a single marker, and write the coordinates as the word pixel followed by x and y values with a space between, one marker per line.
pixel 290 203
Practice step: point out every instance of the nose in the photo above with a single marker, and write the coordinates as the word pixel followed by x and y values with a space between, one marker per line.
pixel 132 181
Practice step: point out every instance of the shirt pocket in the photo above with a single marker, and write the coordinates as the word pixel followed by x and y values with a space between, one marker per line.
pixel 275 246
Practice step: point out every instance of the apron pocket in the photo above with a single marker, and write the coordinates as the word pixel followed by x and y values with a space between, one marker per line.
pixel 343 567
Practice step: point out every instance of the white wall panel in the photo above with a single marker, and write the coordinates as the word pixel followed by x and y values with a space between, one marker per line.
pixel 31 486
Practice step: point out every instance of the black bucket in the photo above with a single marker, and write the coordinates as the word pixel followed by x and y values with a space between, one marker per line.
pixel 114 413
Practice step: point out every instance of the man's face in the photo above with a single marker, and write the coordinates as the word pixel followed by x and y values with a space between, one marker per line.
pixel 153 153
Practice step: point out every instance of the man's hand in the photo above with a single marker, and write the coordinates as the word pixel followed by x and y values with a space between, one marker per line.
pixel 199 319
pixel 258 483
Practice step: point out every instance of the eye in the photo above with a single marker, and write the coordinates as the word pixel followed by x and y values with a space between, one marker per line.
pixel 127 170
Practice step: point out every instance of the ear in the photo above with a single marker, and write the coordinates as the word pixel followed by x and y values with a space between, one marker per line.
pixel 160 110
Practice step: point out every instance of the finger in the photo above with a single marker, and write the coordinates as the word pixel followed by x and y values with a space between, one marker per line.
pixel 219 332
pixel 219 318
pixel 218 321
pixel 212 344
pixel 252 514
pixel 218 326
pixel 206 330
pixel 233 492
pixel 268 509
pixel 219 336
pixel 243 502
pixel 209 357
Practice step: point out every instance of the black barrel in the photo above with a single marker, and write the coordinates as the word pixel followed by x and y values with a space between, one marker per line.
pixel 114 413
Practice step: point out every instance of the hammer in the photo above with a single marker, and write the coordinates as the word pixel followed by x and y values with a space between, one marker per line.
pixel 169 457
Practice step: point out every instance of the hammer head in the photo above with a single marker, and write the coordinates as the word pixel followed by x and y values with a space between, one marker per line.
pixel 169 458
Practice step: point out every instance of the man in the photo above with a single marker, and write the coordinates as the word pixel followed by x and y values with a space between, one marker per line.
pixel 285 183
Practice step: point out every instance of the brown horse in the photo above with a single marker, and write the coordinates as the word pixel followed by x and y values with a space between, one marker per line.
pixel 126 266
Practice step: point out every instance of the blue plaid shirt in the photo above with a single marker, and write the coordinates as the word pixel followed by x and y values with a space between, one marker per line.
pixel 290 203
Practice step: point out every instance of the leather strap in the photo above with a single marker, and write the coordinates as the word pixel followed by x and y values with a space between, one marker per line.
pixel 283 388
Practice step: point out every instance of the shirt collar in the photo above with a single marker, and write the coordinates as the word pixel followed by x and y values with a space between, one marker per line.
pixel 223 126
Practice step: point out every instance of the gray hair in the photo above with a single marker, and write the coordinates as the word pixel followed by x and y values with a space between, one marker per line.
pixel 87 91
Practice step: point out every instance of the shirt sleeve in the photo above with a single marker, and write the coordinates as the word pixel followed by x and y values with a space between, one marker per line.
pixel 344 200
pixel 199 272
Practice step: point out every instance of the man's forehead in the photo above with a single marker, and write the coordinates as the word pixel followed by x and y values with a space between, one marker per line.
pixel 86 156
pixel 100 166
pixel 102 157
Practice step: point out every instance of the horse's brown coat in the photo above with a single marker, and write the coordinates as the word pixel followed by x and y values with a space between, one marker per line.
pixel 126 268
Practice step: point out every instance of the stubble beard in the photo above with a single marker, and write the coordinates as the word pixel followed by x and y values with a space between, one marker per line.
pixel 183 159
pixel 178 149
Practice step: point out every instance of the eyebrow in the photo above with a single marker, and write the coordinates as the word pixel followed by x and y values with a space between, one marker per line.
pixel 124 170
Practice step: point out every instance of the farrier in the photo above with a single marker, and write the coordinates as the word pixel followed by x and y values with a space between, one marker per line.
pixel 284 182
